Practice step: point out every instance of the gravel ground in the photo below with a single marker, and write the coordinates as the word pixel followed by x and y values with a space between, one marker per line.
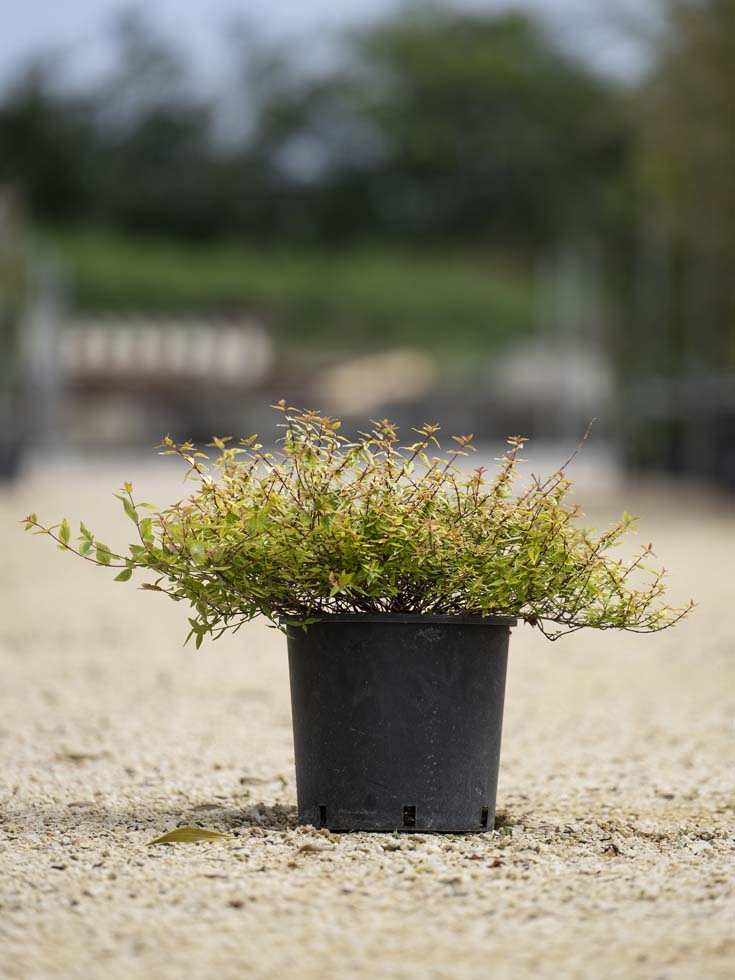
pixel 613 855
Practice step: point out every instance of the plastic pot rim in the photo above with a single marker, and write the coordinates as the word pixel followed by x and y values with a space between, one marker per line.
pixel 409 619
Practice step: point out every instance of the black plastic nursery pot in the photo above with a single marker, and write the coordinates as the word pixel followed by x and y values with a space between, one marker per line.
pixel 397 720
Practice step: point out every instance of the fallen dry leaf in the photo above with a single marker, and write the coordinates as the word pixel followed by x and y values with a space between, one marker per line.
pixel 310 848
pixel 188 835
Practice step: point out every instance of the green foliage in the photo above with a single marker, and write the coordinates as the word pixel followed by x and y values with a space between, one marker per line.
pixel 345 298
pixel 329 525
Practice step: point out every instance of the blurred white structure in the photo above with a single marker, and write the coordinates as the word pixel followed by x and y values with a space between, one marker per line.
pixel 158 349
pixel 574 384
pixel 563 378
pixel 110 380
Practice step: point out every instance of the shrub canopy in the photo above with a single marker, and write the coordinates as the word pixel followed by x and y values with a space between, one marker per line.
pixel 329 525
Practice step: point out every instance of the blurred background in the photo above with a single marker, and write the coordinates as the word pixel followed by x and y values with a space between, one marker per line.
pixel 507 217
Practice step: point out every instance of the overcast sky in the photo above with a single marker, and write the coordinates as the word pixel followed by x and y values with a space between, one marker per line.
pixel 79 26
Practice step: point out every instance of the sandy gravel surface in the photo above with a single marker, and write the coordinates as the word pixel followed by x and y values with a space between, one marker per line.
pixel 615 854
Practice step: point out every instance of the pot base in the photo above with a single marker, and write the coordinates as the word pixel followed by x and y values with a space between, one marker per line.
pixel 342 823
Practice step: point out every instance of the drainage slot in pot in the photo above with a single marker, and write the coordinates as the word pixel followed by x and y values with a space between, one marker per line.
pixel 483 817
pixel 409 816
pixel 322 816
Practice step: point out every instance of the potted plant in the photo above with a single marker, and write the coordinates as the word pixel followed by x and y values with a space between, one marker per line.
pixel 397 577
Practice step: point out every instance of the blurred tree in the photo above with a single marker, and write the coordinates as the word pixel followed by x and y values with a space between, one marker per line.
pixel 445 124
pixel 677 341
pixel 47 144
pixel 687 163
pixel 157 161
pixel 488 129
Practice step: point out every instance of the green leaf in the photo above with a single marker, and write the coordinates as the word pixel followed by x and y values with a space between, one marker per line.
pixel 146 529
pixel 189 835
pixel 64 532
pixel 103 553
pixel 127 506
pixel 85 547
pixel 124 575
pixel 259 520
